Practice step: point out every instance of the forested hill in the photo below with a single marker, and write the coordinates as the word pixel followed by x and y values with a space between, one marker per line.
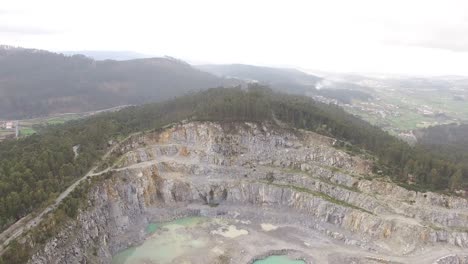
pixel 289 80
pixel 450 134
pixel 35 169
pixel 37 82
pixel 449 141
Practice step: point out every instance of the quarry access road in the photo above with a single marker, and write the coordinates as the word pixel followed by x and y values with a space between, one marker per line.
pixel 31 220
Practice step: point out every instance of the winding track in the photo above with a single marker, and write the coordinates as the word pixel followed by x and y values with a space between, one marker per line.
pixel 29 221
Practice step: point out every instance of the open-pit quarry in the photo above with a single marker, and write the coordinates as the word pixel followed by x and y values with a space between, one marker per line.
pixel 243 193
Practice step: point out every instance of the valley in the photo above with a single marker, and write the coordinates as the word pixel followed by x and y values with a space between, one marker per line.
pixel 403 104
pixel 405 110
pixel 397 104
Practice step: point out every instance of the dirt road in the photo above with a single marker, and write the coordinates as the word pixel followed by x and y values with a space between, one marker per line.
pixel 30 221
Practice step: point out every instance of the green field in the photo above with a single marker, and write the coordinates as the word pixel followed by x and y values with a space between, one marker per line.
pixel 27 126
pixel 27 131
pixel 404 109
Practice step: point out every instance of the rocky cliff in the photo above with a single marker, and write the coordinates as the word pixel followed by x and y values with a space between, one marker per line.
pixel 261 172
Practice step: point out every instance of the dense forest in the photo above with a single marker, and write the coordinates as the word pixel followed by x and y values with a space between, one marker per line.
pixel 450 135
pixel 447 142
pixel 35 169
pixel 36 82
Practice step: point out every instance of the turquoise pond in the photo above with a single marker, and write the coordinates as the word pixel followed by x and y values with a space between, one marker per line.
pixel 182 239
pixel 167 242
pixel 278 260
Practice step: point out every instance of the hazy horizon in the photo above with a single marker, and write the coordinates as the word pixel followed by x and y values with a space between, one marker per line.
pixel 390 37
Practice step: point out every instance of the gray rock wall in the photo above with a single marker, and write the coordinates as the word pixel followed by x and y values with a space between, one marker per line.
pixel 208 163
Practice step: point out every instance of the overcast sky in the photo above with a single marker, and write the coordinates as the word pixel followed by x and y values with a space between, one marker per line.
pixel 396 36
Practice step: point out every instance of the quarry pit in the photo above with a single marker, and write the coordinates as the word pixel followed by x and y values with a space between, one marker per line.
pixel 203 192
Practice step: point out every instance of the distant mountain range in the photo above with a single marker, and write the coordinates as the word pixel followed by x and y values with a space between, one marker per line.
pixel 108 55
pixel 37 82
pixel 291 81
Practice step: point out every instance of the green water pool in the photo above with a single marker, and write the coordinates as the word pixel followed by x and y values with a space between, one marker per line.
pixel 179 240
pixel 171 242
pixel 281 259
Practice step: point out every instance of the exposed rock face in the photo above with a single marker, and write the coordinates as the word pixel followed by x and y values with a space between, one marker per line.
pixel 243 166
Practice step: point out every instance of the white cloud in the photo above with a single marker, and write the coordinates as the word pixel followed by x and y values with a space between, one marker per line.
pixel 414 37
pixel 23 30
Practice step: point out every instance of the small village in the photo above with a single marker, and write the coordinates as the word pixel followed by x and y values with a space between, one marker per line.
pixel 9 129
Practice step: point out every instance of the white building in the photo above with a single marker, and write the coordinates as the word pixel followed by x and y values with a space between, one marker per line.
pixel 9 125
